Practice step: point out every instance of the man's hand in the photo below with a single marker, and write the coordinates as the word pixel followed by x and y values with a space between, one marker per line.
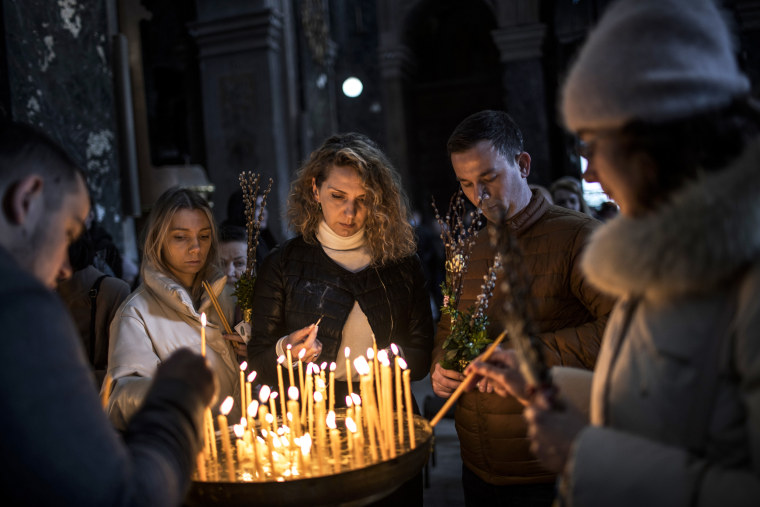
pixel 501 373
pixel 192 369
pixel 445 381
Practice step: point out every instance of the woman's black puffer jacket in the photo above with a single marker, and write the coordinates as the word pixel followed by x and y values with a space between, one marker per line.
pixel 298 283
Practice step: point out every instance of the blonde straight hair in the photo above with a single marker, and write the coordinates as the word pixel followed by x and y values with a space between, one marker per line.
pixel 157 229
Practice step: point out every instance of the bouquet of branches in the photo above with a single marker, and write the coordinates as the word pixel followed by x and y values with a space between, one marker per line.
pixel 252 189
pixel 468 337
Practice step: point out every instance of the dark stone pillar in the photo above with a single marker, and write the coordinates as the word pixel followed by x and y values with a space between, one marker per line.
pixel 244 113
pixel 523 78
pixel 59 80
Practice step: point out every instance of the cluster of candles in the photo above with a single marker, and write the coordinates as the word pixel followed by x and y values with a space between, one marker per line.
pixel 279 439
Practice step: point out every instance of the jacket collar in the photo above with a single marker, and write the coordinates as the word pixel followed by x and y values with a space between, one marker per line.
pixel 708 231
pixel 175 295
pixel 529 215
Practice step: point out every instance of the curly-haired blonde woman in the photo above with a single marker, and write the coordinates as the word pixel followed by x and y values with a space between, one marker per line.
pixel 353 264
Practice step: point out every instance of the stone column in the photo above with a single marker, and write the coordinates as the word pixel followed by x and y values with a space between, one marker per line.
pixel 244 100
pixel 525 93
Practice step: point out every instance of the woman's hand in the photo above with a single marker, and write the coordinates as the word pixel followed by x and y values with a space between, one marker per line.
pixel 238 345
pixel 551 430
pixel 501 373
pixel 304 339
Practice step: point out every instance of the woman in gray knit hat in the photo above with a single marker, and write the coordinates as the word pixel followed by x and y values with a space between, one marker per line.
pixel 664 118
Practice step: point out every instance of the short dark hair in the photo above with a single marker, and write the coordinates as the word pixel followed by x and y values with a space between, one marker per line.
pixel 231 232
pixel 489 125
pixel 25 150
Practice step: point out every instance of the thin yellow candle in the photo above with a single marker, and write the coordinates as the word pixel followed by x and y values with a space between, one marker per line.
pixel 243 367
pixel 293 409
pixel 409 412
pixel 375 374
pixel 305 444
pixel 211 435
pixel 366 388
pixel 251 412
pixel 358 413
pixel 398 389
pixel 331 396
pixel 319 410
pixel 347 354
pixel 355 444
pixel 239 431
pixel 301 355
pixel 334 440
pixel 272 408
pixel 264 393
pixel 387 390
pixel 269 435
pixel 306 394
pixel 224 409
pixel 289 355
pixel 200 461
pixel 203 334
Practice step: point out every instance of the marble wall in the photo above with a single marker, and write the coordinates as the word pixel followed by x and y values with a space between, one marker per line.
pixel 58 55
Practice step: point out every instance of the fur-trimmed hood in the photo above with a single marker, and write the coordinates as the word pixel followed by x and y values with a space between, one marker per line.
pixel 704 235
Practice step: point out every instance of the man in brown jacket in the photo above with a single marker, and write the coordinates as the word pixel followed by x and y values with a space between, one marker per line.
pixel 487 154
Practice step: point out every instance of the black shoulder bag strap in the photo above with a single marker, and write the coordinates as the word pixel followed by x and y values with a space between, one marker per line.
pixel 93 310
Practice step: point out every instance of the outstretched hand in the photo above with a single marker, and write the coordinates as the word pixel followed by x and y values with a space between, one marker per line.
pixel 192 369
pixel 304 339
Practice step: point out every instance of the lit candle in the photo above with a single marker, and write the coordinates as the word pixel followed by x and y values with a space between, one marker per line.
pixel 398 390
pixel 203 334
pixel 248 394
pixel 307 395
pixel 200 461
pixel 211 435
pixel 331 397
pixel 409 412
pixel 264 393
pixel 289 355
pixel 358 413
pixel 251 412
pixel 293 410
pixel 301 355
pixel 273 409
pixel 356 445
pixel 224 409
pixel 387 413
pixel 243 366
pixel 319 414
pixel 347 354
pixel 334 440
pixel 305 444
pixel 239 431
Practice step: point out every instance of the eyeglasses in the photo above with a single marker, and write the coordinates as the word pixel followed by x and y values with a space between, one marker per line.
pixel 585 149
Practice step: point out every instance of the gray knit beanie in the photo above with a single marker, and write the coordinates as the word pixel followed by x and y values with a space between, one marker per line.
pixel 652 60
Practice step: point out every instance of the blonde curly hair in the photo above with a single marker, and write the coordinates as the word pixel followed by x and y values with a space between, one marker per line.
pixel 388 231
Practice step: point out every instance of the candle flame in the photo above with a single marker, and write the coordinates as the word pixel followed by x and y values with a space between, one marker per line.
pixel 318 397
pixel 226 405
pixel 349 401
pixel 382 356
pixel 251 376
pixel 273 395
pixel 394 349
pixel 351 425
pixel 401 363
pixel 361 365
pixel 203 319
pixel 370 354
pixel 243 422
pixel 264 393
pixel 293 393
pixel 253 408
pixel 347 352
pixel 281 359
pixel 244 365
pixel 331 420
pixel 301 353
pixel 289 346
pixel 239 430
pixel 356 399
pixel 333 366
pixel 323 366
pixel 269 418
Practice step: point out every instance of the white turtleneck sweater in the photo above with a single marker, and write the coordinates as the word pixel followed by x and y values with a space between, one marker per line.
pixel 350 253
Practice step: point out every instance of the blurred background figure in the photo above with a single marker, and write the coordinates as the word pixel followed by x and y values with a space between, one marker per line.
pixel 568 193
pixel 607 210
pixel 236 216
pixel 233 251
pixel 92 298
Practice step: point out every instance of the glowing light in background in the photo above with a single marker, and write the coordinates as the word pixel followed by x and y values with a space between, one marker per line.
pixel 352 87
